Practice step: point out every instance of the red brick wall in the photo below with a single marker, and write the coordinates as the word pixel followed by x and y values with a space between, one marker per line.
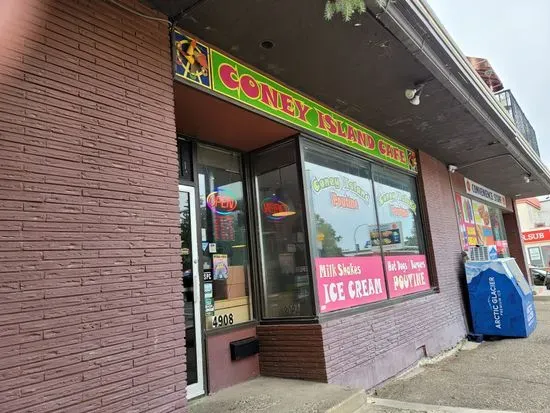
pixel 367 348
pixel 292 351
pixel 91 312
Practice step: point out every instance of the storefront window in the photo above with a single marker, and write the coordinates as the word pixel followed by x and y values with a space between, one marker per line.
pixel 283 245
pixel 224 238
pixel 366 230
pixel 347 252
pixel 401 232
pixel 499 233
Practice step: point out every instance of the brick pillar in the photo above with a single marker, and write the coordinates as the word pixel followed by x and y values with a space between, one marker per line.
pixel 91 309
pixel 515 244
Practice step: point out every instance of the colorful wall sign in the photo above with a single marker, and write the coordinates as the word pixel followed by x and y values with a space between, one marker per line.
pixel 344 282
pixel 466 222
pixel 192 60
pixel 407 274
pixel 538 235
pixel 480 191
pixel 224 75
pixel 483 224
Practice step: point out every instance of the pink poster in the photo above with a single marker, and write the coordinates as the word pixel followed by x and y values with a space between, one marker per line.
pixel 344 282
pixel 406 274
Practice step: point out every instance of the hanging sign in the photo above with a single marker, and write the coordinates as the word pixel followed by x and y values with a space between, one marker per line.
pixel 271 206
pixel 480 191
pixel 222 202
pixel 199 64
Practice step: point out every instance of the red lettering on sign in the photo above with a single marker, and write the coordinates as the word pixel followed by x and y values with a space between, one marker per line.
pixel 228 76
pixel 287 104
pixel 303 109
pixel 250 87
pixel 270 96
pixel 330 124
pixel 340 129
pixel 391 151
pixel 351 134
pixel 320 120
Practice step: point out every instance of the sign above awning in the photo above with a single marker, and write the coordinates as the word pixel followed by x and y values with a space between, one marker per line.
pixel 482 192
pixel 202 65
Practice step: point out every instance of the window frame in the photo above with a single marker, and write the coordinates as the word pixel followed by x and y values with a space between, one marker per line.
pixel 304 139
pixel 255 278
pixel 245 170
pixel 293 141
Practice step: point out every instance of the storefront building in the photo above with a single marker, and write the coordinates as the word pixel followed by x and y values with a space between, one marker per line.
pixel 176 220
pixel 534 217
pixel 480 216
pixel 537 247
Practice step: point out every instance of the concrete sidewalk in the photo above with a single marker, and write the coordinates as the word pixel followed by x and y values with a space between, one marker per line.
pixel 270 395
pixel 510 374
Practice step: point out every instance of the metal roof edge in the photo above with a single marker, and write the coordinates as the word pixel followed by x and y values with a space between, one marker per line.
pixel 414 23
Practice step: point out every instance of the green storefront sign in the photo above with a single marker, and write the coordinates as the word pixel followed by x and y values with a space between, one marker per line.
pixel 215 70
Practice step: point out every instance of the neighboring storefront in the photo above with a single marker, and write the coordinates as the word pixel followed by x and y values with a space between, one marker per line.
pixel 480 216
pixel 537 247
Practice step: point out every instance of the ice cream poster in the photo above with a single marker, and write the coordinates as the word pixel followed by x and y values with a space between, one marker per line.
pixel 220 267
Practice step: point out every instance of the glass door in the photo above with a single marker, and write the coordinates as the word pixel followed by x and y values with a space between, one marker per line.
pixel 191 291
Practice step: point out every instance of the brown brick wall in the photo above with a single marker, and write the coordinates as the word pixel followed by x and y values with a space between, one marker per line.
pixel 515 245
pixel 368 348
pixel 90 286
pixel 293 351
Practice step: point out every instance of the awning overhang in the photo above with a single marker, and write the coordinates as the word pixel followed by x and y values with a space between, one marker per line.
pixel 362 68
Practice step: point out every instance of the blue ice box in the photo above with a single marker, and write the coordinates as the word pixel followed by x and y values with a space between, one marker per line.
pixel 501 300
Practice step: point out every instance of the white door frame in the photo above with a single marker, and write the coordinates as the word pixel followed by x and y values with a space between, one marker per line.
pixel 195 389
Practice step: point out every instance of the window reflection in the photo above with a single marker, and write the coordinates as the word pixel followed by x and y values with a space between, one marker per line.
pixel 284 262
pixel 224 237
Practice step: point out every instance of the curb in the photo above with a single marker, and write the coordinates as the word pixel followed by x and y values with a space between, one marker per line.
pixel 350 405
pixel 429 408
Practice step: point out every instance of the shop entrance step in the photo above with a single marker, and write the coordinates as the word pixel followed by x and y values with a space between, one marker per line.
pixel 272 395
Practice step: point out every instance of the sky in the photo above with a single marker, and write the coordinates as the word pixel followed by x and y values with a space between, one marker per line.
pixel 515 37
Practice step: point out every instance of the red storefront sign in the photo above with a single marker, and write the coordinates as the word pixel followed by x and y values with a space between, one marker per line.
pixel 538 235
